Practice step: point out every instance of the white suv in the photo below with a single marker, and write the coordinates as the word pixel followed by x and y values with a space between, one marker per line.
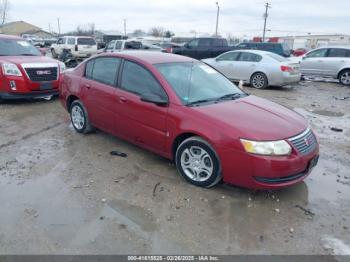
pixel 80 46
pixel 328 62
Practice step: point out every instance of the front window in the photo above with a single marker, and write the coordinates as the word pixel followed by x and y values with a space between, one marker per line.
pixel 318 53
pixel 195 82
pixel 11 47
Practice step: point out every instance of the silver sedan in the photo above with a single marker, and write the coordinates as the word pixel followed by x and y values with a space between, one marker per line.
pixel 260 69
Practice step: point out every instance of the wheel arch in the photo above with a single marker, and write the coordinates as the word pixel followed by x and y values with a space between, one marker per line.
pixel 182 137
pixel 342 70
pixel 70 100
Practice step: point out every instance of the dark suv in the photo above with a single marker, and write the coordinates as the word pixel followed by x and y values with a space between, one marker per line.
pixel 276 48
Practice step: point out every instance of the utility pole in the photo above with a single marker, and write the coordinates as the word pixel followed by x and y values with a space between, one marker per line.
pixel 267 6
pixel 59 26
pixel 124 28
pixel 217 18
pixel 49 28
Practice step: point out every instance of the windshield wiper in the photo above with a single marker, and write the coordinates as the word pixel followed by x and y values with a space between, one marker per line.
pixel 230 96
pixel 200 102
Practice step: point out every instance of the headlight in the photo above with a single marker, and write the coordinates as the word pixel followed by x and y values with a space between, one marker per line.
pixel 62 67
pixel 11 70
pixel 278 148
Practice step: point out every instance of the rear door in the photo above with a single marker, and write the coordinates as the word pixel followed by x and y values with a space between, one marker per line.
pixel 246 65
pixel 337 59
pixel 141 122
pixel 228 64
pixel 99 92
pixel 315 63
pixel 204 49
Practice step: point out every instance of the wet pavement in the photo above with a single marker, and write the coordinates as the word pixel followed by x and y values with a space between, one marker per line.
pixel 63 193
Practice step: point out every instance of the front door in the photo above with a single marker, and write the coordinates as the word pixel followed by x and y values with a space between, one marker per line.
pixel 141 122
pixel 315 63
pixel 246 65
pixel 227 64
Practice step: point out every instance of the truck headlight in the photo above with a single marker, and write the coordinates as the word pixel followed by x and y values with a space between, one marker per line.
pixel 62 67
pixel 271 148
pixel 11 70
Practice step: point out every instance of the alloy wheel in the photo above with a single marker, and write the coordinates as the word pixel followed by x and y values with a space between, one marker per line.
pixel 78 118
pixel 345 78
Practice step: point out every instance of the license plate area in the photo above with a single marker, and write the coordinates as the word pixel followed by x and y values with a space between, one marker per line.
pixel 46 86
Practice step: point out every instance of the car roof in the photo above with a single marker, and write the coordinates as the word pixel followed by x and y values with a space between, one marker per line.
pixel 253 51
pixel 10 37
pixel 153 57
pixel 335 46
pixel 74 36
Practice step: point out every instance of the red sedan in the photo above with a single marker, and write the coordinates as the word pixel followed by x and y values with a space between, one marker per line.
pixel 26 73
pixel 184 110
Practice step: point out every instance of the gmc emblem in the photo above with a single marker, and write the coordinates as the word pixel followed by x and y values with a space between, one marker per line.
pixel 43 72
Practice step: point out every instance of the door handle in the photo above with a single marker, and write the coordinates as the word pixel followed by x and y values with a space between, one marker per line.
pixel 122 99
pixel 87 86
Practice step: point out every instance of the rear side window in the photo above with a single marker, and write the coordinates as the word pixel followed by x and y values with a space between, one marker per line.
pixel 138 80
pixel 339 52
pixel 118 45
pixel 103 70
pixel 218 42
pixel 204 42
pixel 110 45
pixel 233 56
pixel 249 57
pixel 86 41
pixel 71 41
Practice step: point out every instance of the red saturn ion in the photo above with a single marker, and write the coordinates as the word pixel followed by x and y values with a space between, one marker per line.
pixel 184 110
pixel 25 72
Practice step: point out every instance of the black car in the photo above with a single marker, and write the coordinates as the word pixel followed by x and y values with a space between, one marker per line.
pixel 276 48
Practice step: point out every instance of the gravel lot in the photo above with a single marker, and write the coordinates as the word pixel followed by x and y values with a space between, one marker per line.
pixel 63 193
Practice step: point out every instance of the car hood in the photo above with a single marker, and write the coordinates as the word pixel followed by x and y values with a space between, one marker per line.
pixel 27 59
pixel 255 118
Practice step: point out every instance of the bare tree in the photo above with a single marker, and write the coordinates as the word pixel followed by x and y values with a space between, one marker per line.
pixel 156 31
pixel 4 9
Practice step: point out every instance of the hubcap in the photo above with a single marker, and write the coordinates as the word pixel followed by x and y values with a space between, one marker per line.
pixel 345 78
pixel 258 81
pixel 78 118
pixel 197 163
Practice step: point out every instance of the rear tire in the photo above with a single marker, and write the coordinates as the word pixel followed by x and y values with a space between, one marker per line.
pixel 198 162
pixel 344 77
pixel 259 81
pixel 80 119
pixel 53 53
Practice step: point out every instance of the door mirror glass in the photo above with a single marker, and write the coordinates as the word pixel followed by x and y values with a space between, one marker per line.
pixel 155 99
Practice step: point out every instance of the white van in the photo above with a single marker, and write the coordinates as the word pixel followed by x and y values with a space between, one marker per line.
pixel 80 46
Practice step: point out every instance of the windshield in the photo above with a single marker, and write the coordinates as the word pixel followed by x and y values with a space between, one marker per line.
pixel 194 81
pixel 11 47
pixel 86 41
pixel 277 57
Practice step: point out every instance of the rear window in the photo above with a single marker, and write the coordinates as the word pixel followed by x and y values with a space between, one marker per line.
pixel 103 70
pixel 277 57
pixel 86 41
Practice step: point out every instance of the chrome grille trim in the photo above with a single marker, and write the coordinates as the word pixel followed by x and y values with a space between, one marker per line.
pixel 304 142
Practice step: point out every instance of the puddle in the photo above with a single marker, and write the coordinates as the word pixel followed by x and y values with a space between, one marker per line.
pixel 327 113
pixel 134 215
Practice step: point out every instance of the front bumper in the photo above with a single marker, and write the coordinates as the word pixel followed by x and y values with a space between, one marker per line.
pixel 30 95
pixel 266 172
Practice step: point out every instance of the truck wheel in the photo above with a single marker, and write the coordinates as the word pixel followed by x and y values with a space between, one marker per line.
pixel 53 53
pixel 344 77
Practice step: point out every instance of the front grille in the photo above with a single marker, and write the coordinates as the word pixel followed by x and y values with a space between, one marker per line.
pixel 43 74
pixel 305 142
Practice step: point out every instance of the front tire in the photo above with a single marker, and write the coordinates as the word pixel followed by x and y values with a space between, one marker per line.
pixel 344 77
pixel 259 81
pixel 79 118
pixel 198 162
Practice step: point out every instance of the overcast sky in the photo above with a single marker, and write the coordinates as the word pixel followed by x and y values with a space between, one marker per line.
pixel 239 17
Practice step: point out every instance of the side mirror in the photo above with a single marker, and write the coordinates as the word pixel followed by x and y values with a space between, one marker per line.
pixel 154 99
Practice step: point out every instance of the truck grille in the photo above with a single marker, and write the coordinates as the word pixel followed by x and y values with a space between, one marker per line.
pixel 42 74
pixel 305 142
